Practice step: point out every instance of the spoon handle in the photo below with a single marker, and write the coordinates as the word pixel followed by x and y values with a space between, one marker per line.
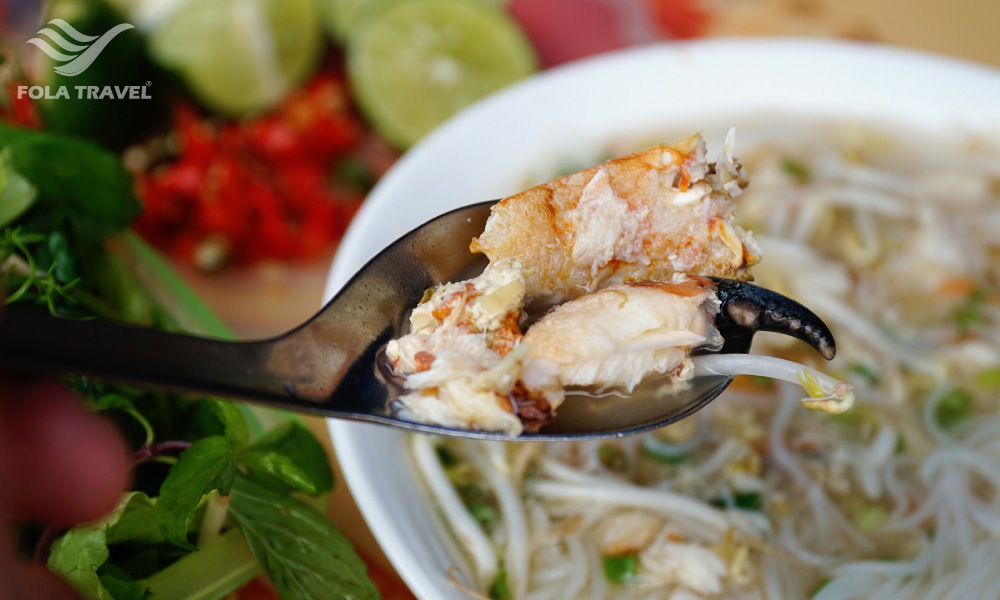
pixel 33 340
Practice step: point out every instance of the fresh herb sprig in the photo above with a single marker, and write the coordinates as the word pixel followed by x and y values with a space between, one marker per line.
pixel 217 500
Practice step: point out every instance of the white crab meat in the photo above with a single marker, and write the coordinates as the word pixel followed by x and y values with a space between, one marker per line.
pixel 461 361
pixel 618 335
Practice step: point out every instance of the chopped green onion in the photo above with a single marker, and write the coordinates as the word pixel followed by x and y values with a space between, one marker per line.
pixel 796 170
pixel 612 457
pixel 446 456
pixel 479 502
pixel 969 314
pixel 865 372
pixel 499 589
pixel 870 517
pixel 953 408
pixel 670 458
pixel 740 500
pixel 623 568
pixel 819 588
pixel 989 379
pixel 484 514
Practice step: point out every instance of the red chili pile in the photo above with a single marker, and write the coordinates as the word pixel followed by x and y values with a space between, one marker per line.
pixel 281 186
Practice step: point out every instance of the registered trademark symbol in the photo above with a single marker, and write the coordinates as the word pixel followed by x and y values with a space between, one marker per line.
pixel 149 83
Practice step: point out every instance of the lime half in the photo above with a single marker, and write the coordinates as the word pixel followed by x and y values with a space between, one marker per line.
pixel 340 16
pixel 413 64
pixel 239 56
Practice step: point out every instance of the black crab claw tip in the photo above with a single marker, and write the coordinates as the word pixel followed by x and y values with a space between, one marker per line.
pixel 747 308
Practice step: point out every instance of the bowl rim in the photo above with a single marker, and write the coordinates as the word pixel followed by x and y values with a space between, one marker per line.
pixel 836 77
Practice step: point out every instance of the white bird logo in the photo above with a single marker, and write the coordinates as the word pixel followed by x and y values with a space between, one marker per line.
pixel 77 57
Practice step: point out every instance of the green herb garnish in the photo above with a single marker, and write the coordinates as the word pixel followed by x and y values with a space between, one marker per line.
pixel 796 170
pixel 864 372
pixel 739 500
pixel 623 569
pixel 970 313
pixel 500 589
pixel 953 408
pixel 989 379
pixel 612 457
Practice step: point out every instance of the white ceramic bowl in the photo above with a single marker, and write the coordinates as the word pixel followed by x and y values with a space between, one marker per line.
pixel 489 150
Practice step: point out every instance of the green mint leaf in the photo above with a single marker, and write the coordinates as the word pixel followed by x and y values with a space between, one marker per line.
pixel 234 424
pixel 78 182
pixel 16 193
pixel 303 554
pixel 136 522
pixel 78 554
pixel 290 456
pixel 114 401
pixel 207 465
pixel 63 261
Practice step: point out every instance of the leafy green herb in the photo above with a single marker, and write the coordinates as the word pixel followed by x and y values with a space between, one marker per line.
pixel 120 402
pixel 22 276
pixel 303 554
pixel 61 256
pixel 16 193
pixel 216 569
pixel 76 556
pixel 233 423
pixel 500 588
pixel 79 554
pixel 623 568
pixel 80 185
pixel 120 585
pixel 953 408
pixel 798 171
pixel 135 521
pixel 207 465
pixel 864 372
pixel 740 500
pixel 291 457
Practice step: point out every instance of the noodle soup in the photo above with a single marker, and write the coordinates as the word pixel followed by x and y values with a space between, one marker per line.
pixel 893 238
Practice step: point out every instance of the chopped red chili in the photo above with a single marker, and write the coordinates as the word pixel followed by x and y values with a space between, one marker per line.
pixel 271 187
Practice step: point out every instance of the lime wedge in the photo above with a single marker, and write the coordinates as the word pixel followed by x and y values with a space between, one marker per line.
pixel 413 64
pixel 340 16
pixel 239 56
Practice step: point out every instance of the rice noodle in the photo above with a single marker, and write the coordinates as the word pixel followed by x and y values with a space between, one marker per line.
pixel 886 236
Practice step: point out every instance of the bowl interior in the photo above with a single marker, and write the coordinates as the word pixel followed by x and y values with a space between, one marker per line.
pixel 499 146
